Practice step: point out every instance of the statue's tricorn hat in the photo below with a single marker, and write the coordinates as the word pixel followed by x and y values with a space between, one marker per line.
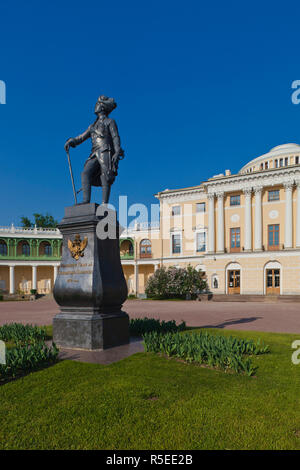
pixel 109 103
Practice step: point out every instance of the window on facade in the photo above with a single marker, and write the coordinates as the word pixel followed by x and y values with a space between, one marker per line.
pixel 176 243
pixel 25 249
pixel 201 241
pixel 286 161
pixel 3 248
pixel 261 166
pixel 235 200
pixel 276 163
pixel 281 162
pixel 48 250
pixel 145 248
pixel 235 238
pixel 176 210
pixel 266 165
pixel 273 195
pixel 273 235
pixel 200 207
pixel 297 160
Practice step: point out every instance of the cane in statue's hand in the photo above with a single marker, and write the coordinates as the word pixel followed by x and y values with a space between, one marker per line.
pixel 67 147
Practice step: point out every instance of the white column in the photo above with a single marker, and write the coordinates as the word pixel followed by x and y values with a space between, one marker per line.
pixel 11 279
pixel 258 221
pixel 248 219
pixel 155 267
pixel 211 223
pixel 136 278
pixel 34 277
pixel 288 228
pixel 298 216
pixel 221 222
pixel 55 273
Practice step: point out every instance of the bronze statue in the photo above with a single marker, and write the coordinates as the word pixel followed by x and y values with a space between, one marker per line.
pixel 101 168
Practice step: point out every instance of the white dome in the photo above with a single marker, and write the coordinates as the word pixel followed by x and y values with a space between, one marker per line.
pixel 278 151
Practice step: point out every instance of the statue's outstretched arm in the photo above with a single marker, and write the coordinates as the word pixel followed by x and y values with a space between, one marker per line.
pixel 78 140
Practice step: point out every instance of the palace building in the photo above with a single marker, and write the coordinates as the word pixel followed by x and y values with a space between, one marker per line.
pixel 242 230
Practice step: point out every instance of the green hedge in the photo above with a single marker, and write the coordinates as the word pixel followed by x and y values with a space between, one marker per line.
pixel 140 326
pixel 203 348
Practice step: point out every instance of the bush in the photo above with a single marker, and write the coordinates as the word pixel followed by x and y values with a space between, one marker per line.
pixel 140 326
pixel 175 282
pixel 33 291
pixel 1 297
pixel 203 348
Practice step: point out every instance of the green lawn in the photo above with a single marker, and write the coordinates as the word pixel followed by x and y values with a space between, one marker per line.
pixel 150 402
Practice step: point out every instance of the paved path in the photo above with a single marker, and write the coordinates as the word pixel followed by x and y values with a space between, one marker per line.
pixel 274 317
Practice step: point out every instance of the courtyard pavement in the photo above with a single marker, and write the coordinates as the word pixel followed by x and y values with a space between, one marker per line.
pixel 260 316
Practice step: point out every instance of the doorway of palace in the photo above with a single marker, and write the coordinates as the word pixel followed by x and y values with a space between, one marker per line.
pixel 272 281
pixel 234 281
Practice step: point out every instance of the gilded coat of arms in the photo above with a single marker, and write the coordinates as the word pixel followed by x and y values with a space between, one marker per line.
pixel 77 247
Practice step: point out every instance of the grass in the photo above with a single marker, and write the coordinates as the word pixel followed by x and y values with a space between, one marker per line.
pixel 149 402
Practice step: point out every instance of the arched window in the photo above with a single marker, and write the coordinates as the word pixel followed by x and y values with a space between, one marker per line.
pixel 3 248
pixel 25 249
pixel 45 249
pixel 145 248
pixel 126 248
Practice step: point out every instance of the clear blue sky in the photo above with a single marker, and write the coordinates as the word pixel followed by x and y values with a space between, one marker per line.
pixel 200 86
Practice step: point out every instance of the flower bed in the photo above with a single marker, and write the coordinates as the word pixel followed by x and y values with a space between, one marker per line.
pixel 27 350
pixel 203 348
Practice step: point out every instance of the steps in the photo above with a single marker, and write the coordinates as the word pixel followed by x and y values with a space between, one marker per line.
pixel 256 298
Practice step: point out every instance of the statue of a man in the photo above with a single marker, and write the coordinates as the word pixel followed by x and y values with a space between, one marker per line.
pixel 101 168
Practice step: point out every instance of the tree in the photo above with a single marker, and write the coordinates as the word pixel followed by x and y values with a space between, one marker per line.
pixel 40 220
pixel 175 282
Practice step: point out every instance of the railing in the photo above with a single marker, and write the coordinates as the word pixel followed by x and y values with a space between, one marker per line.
pixel 140 226
pixel 29 230
pixel 126 256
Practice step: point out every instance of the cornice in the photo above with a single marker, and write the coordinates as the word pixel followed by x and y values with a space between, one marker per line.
pixel 248 181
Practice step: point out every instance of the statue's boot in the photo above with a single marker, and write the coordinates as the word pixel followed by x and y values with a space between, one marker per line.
pixel 86 191
pixel 105 194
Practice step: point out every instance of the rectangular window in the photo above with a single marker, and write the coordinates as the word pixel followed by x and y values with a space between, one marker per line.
pixel 266 165
pixel 235 239
pixel 297 160
pixel 273 195
pixel 200 207
pixel 201 241
pixel 235 200
pixel 276 163
pixel 176 243
pixel 273 236
pixel 281 162
pixel 286 161
pixel 176 210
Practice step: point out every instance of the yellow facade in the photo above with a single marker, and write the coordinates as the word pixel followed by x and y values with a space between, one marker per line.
pixel 251 227
pixel 242 230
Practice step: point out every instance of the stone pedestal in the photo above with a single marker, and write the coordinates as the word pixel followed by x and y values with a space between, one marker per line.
pixel 90 286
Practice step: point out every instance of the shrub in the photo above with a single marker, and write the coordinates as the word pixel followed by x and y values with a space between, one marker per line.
pixel 203 348
pixel 140 326
pixel 1 297
pixel 175 282
pixel 33 291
